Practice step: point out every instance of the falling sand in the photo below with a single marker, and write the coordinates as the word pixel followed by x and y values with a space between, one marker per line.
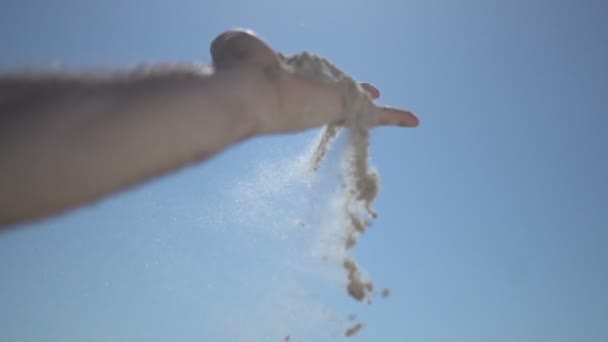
pixel 328 214
pixel 360 184
pixel 353 330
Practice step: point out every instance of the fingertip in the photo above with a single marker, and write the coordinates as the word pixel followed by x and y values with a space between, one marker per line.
pixel 371 90
pixel 410 120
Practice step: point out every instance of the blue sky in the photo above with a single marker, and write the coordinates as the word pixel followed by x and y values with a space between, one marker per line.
pixel 493 223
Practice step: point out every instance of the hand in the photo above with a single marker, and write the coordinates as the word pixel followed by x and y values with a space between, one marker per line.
pixel 281 100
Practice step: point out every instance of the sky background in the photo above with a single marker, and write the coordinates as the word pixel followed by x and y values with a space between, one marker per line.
pixel 493 214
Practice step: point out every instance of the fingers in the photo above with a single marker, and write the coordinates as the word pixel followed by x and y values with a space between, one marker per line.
pixel 388 116
pixel 371 90
pixel 239 46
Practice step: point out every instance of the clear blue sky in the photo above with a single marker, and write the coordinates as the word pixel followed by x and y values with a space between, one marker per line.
pixel 493 216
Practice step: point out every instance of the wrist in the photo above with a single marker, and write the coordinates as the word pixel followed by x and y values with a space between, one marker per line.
pixel 251 96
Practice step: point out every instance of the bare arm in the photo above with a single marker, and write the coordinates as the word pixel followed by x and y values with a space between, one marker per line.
pixel 67 140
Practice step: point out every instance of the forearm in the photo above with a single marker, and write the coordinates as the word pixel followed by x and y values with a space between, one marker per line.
pixel 64 142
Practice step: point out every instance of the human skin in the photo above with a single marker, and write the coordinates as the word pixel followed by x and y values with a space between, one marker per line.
pixel 67 140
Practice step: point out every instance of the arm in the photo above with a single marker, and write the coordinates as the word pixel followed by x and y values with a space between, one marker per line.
pixel 67 141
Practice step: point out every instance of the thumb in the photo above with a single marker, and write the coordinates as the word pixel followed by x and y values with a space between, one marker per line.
pixel 238 47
